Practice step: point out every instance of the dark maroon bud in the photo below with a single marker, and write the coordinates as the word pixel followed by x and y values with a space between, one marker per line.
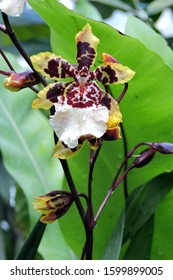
pixel 163 147
pixel 144 158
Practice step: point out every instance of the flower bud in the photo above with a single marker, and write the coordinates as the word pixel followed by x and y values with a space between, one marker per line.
pixel 17 81
pixel 53 205
pixel 144 158
pixel 163 147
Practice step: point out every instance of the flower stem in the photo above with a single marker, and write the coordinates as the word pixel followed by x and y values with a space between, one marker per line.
pixel 19 47
pixel 89 243
pixel 123 93
pixel 110 191
pixel 89 220
pixel 6 60
pixel 88 247
pixel 73 188
pixel 126 162
pixel 117 181
pixel 93 158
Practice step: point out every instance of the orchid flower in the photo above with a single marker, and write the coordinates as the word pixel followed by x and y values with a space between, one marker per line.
pixel 12 7
pixel 53 205
pixel 82 109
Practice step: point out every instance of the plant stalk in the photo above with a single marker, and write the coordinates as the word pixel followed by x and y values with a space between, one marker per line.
pixel 19 47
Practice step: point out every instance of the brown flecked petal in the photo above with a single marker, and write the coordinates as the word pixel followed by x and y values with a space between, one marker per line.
pixel 86 47
pixel 52 66
pixel 49 95
pixel 112 72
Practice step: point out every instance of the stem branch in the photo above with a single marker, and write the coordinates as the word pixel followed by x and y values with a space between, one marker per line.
pixel 110 191
pixel 73 189
pixel 19 47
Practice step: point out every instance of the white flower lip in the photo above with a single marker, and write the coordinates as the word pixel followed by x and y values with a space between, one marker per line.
pixel 12 7
pixel 71 123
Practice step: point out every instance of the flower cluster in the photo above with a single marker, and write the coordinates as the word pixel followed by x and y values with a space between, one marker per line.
pixel 83 110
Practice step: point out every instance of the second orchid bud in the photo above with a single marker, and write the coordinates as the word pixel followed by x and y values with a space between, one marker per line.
pixel 144 158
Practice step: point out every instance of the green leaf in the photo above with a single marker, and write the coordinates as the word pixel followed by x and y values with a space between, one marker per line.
pixel 86 9
pixel 147 116
pixel 162 246
pixel 21 212
pixel 158 6
pixel 145 202
pixel 141 243
pixel 121 5
pixel 2 249
pixel 30 247
pixel 113 248
pixel 6 181
pixel 152 40
pixel 26 142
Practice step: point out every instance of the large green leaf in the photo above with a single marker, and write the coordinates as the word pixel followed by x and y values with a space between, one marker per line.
pixel 139 226
pixel 162 248
pixel 145 202
pixel 121 5
pixel 6 181
pixel 26 143
pixel 141 243
pixel 30 247
pixel 147 114
pixel 157 6
pixel 113 248
pixel 152 40
pixel 86 9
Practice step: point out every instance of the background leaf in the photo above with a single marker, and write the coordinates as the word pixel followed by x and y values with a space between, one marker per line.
pixel 85 8
pixel 30 247
pixel 158 6
pixel 152 40
pixel 141 244
pixel 113 248
pixel 147 116
pixel 145 202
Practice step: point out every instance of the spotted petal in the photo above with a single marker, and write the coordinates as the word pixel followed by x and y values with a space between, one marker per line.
pixel 86 47
pixel 49 95
pixel 52 66
pixel 111 71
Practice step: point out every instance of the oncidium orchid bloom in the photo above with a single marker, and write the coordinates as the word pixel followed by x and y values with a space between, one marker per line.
pixel 82 109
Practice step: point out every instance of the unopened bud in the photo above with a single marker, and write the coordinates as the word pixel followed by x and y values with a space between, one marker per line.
pixel 163 147
pixel 144 158
pixel 53 205
pixel 18 81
